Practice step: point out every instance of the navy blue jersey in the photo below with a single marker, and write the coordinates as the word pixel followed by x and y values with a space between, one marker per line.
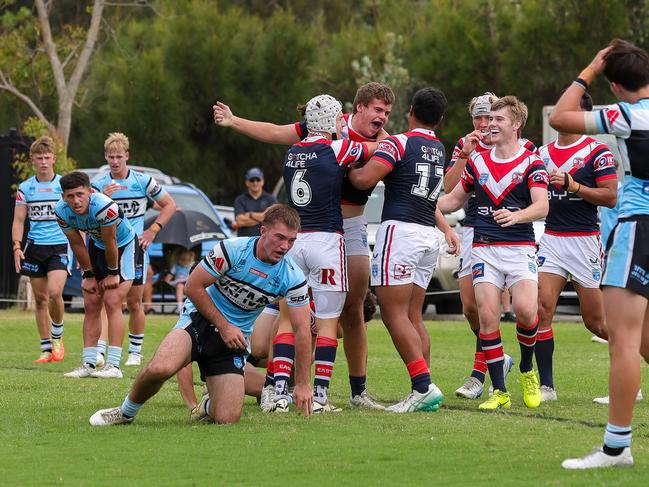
pixel 416 162
pixel 630 124
pixel 102 212
pixel 313 174
pixel 471 207
pixel 588 162
pixel 41 198
pixel 350 194
pixel 132 194
pixel 500 184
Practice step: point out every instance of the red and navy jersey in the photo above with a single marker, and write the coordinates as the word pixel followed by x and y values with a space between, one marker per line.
pixel 502 183
pixel 313 172
pixel 588 162
pixel 416 162
pixel 470 207
pixel 350 194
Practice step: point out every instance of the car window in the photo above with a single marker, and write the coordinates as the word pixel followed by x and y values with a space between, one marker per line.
pixel 374 205
pixel 188 201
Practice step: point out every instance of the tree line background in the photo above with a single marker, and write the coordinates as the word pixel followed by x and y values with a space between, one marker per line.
pixel 158 66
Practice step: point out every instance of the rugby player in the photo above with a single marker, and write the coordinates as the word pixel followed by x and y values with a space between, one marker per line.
pixel 510 183
pixel 225 294
pixel 479 108
pixel 45 256
pixel 625 279
pixel 408 243
pixel 371 109
pixel 582 177
pixel 107 264
pixel 130 190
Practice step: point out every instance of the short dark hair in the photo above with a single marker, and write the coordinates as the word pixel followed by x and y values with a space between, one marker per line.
pixel 627 65
pixel 75 179
pixel 282 213
pixel 429 105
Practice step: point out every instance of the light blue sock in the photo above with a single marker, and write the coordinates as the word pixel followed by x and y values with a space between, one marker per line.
pixel 617 436
pixel 114 355
pixel 90 356
pixel 56 330
pixel 101 347
pixel 130 408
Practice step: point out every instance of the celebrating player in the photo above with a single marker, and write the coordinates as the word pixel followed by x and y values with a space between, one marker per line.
pixel 407 244
pixel 45 256
pixel 226 292
pixel 626 270
pixel 582 177
pixel 130 190
pixel 371 108
pixel 510 184
pixel 108 267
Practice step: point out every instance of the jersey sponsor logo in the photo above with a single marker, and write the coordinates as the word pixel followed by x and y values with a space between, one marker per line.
pixel 111 213
pixel 477 270
pixel 41 211
pixel 432 154
pixel 218 262
pixel 612 115
pixel 256 272
pixel 402 271
pixel 44 190
pixel 242 295
pixel 298 299
pixel 328 277
pixel 541 177
pixel 604 162
pixel 388 148
pixel 131 208
pixel 640 275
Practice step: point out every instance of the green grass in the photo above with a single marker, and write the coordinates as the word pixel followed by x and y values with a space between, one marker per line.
pixel 45 437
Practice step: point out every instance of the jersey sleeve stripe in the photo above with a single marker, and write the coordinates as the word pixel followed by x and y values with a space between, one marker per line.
pixel 384 161
pixel 604 177
pixel 209 269
pixel 303 283
pixel 225 254
pixel 625 114
pixel 602 125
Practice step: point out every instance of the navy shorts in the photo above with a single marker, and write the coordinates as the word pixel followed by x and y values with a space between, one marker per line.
pixel 126 260
pixel 41 259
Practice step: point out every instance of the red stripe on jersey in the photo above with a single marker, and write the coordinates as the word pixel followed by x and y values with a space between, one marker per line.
pixel 421 134
pixel 349 203
pixel 570 234
pixel 477 244
pixel 383 161
pixel 297 127
pixel 604 178
pixel 353 135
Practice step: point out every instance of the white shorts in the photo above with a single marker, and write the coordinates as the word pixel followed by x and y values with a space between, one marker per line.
pixel 405 253
pixel 465 252
pixel 355 229
pixel 503 265
pixel 321 256
pixel 579 257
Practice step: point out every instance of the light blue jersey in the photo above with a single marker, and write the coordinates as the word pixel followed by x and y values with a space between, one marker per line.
pixel 630 124
pixel 132 195
pixel 40 199
pixel 102 212
pixel 245 284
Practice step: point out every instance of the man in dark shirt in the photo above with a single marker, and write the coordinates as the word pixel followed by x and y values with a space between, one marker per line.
pixel 249 206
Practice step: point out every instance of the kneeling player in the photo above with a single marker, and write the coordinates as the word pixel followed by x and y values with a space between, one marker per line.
pixel 108 266
pixel 226 293
pixel 510 184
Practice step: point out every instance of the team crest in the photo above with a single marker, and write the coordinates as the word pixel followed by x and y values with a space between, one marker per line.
pixel 578 162
pixel 517 178
pixel 402 271
pixel 484 177
pixel 375 270
pixel 238 362
pixel 354 151
pixel 477 270
pixel 64 259
pixel 597 274
pixel 540 260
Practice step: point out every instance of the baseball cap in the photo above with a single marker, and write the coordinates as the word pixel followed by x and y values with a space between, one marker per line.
pixel 254 172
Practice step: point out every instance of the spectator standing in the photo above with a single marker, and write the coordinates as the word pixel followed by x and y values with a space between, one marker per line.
pixel 249 206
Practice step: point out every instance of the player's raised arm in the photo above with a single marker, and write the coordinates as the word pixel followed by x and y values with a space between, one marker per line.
pixel 454 200
pixel 459 158
pixel 262 131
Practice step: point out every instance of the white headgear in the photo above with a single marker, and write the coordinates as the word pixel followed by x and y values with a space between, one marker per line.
pixel 481 105
pixel 321 112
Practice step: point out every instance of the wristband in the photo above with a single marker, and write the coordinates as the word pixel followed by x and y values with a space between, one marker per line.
pixel 88 274
pixel 113 272
pixel 462 155
pixel 581 82
pixel 159 226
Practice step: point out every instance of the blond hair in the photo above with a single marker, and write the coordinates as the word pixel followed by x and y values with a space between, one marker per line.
pixel 517 108
pixel 42 145
pixel 116 142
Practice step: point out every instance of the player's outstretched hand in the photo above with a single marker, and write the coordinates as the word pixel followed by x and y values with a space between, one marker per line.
pixel 89 285
pixel 452 242
pixel 233 337
pixel 222 114
pixel 303 399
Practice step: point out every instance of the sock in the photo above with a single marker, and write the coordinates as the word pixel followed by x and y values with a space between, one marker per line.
pixel 135 342
pixel 544 350
pixel 101 347
pixel 56 330
pixel 252 360
pixel 616 439
pixel 419 375
pixel 479 367
pixel 357 384
pixel 325 356
pixel 114 355
pixel 495 357
pixel 130 408
pixel 46 345
pixel 283 358
pixel 270 374
pixel 526 335
pixel 90 356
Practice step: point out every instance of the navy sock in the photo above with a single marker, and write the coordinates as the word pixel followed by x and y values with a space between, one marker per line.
pixel 544 350
pixel 357 384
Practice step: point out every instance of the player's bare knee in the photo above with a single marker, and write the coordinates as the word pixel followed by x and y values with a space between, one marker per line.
pixel 42 300
pixel 526 313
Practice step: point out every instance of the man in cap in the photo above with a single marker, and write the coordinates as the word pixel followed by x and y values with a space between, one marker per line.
pixel 250 205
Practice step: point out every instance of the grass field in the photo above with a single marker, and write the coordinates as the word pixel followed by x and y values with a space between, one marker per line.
pixel 45 437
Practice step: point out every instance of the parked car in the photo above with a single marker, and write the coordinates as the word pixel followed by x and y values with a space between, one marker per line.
pixel 227 213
